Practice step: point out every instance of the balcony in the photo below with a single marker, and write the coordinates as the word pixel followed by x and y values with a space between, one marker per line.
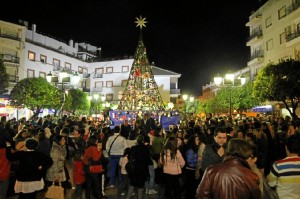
pixel 10 58
pixel 175 91
pixel 13 78
pixel 291 8
pixel 292 35
pixel 256 57
pixel 13 37
pixel 255 35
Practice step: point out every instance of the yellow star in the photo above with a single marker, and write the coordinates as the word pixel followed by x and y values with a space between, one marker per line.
pixel 140 22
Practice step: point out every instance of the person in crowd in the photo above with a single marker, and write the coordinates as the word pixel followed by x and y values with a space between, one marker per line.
pixel 5 166
pixel 214 153
pixel 115 146
pixel 58 154
pixel 19 140
pixel 123 189
pixel 172 162
pixel 44 143
pixel 233 178
pixel 191 183
pixel 125 129
pixel 285 173
pixel 32 166
pixel 104 161
pixel 148 123
pixel 156 147
pixel 79 174
pixel 92 179
pixel 140 154
pixel 150 182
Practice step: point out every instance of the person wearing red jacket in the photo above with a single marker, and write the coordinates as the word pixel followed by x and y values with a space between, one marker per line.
pixel 79 174
pixel 92 179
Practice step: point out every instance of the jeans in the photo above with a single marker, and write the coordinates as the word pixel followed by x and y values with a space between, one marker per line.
pixel 149 184
pixel 93 185
pixel 113 164
pixel 3 188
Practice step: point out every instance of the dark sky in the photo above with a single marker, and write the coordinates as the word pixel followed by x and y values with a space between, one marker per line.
pixel 197 41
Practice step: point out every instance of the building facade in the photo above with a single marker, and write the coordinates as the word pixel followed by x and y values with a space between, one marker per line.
pixel 27 53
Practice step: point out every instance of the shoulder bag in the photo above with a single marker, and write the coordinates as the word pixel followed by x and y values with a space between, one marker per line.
pixel 112 144
pixel 269 192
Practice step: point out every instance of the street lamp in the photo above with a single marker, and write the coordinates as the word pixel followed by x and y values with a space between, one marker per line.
pixel 186 99
pixel 63 78
pixel 229 81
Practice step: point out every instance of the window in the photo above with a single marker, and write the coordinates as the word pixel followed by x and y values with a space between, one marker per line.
pixel 109 70
pixel 68 66
pixel 30 73
pixel 281 12
pixel 85 72
pixel 31 56
pixel 268 22
pixel 125 69
pixel 43 59
pixel 80 69
pixel 99 84
pixel 42 74
pixel 98 72
pixel 270 44
pixel 109 97
pixel 282 38
pixel 124 83
pixel 109 84
pixel 56 63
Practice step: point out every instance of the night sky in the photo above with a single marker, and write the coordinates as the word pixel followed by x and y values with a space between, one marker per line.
pixel 197 41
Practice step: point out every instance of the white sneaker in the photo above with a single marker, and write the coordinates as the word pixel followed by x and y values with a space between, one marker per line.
pixel 152 191
pixel 123 194
pixel 147 190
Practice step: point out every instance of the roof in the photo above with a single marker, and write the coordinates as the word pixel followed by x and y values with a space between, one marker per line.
pixel 160 71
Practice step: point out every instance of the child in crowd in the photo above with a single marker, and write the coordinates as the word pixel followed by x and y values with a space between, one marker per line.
pixel 125 180
pixel 79 174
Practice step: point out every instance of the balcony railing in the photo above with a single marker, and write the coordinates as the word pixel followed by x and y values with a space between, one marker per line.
pixel 175 91
pixel 292 35
pixel 257 54
pixel 292 7
pixel 14 37
pixel 255 33
pixel 10 58
pixel 13 78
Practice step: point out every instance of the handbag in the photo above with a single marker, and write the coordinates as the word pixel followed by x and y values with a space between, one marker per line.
pixel 55 192
pixel 269 193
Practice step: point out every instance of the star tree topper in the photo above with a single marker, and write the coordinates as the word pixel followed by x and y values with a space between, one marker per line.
pixel 140 22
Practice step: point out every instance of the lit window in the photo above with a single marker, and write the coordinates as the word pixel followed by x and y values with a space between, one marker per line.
pixel 109 84
pixel 109 70
pixel 125 69
pixel 31 55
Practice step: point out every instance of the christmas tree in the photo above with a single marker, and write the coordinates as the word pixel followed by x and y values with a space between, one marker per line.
pixel 141 92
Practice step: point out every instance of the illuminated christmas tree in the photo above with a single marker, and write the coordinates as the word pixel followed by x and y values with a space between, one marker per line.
pixel 141 92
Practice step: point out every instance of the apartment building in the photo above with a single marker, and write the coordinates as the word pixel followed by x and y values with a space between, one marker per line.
pixel 28 53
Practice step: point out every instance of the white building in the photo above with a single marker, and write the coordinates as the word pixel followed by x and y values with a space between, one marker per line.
pixel 30 54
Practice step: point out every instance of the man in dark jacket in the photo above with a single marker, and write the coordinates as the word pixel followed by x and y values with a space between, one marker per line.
pixel 233 178
pixel 214 153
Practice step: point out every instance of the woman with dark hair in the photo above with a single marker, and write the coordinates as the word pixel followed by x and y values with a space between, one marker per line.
pixel 172 162
pixel 32 166
pixel 92 179
pixel 20 140
pixel 141 156
pixel 192 147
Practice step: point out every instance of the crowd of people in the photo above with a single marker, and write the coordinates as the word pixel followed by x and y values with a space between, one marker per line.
pixel 211 157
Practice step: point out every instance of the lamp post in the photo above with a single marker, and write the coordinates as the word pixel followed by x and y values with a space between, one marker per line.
pixel 63 78
pixel 230 82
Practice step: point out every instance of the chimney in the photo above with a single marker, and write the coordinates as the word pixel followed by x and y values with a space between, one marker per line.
pixel 71 43
pixel 33 28
pixel 76 46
